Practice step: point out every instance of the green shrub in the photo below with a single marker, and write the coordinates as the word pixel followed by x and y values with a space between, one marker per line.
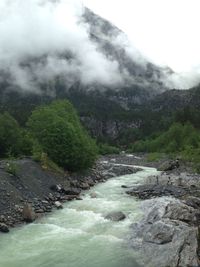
pixel 105 149
pixel 59 134
pixel 154 156
pixel 176 139
pixel 12 168
pixel 10 136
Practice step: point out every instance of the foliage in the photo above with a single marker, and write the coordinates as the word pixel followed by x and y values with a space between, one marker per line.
pixel 105 149
pixel 10 136
pixel 60 134
pixel 176 139
pixel 12 168
pixel 155 156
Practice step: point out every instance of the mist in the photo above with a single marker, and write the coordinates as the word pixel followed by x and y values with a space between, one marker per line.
pixel 43 39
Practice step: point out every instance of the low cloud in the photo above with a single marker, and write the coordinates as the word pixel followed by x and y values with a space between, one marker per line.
pixel 43 39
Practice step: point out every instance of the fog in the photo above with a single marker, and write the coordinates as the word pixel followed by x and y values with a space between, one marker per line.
pixel 42 39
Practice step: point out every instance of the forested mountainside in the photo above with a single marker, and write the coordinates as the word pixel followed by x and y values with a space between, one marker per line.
pixel 120 113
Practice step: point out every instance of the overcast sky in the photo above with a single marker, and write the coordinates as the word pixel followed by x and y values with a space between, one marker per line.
pixel 166 31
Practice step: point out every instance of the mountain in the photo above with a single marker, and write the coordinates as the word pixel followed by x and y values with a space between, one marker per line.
pixel 114 44
pixel 108 111
pixel 173 100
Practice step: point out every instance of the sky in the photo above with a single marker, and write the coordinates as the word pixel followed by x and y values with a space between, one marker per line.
pixel 165 31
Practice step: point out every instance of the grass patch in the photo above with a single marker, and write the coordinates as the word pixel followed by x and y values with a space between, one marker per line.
pixel 154 156
pixel 105 149
pixel 12 168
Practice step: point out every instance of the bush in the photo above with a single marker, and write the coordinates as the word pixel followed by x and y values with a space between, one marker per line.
pixel 12 168
pixel 105 149
pixel 60 134
pixel 10 136
pixel 175 140
pixel 154 156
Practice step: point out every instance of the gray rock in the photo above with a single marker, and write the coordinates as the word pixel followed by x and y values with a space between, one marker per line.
pixel 93 195
pixel 72 191
pixel 116 216
pixel 4 228
pixel 169 166
pixel 58 205
pixel 159 233
pixel 84 186
pixel 156 190
pixel 193 202
pixel 162 237
pixel 180 212
pixel 28 213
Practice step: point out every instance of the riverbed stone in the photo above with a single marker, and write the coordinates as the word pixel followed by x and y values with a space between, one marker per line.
pixel 156 190
pixel 115 216
pixel 58 205
pixel 84 186
pixel 72 191
pixel 93 195
pixel 4 228
pixel 169 165
pixel 28 213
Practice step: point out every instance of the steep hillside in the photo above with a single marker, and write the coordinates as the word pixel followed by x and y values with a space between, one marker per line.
pixel 109 112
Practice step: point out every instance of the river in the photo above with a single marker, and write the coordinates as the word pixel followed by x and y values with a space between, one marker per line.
pixel 78 235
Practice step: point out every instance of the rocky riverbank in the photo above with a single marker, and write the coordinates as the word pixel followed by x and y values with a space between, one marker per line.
pixel 28 191
pixel 169 229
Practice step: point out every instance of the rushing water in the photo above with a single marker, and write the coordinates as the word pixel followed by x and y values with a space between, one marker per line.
pixel 78 235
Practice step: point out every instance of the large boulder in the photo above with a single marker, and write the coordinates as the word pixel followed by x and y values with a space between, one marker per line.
pixel 169 165
pixel 166 236
pixel 28 213
pixel 115 216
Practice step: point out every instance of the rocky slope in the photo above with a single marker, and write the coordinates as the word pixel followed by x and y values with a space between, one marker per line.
pixel 169 229
pixel 29 190
pixel 169 232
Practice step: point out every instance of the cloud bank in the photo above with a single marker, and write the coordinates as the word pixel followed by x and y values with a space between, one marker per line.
pixel 41 39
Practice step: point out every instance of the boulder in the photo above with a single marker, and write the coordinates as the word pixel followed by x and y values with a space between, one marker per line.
pixel 72 191
pixel 180 212
pixel 69 197
pixel 58 205
pixel 84 186
pixel 56 188
pixel 193 202
pixel 4 228
pixel 156 190
pixel 93 195
pixel 169 165
pixel 91 182
pixel 115 216
pixel 163 237
pixel 28 213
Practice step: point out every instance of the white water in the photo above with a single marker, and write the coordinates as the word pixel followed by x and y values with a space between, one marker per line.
pixel 78 235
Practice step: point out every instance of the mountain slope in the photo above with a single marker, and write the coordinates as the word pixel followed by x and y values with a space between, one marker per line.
pixel 106 110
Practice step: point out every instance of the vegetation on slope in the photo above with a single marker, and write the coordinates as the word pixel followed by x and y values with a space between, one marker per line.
pixel 58 130
pixel 182 140
pixel 53 130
